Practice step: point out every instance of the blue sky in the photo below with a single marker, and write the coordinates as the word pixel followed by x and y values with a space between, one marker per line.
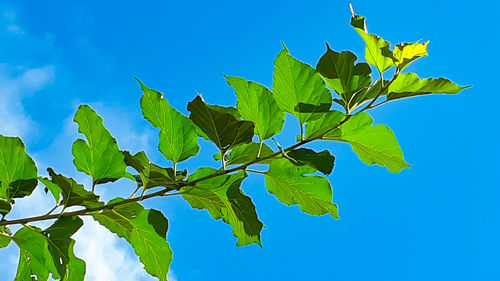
pixel 437 221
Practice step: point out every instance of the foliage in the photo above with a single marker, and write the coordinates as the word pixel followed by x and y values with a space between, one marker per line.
pixel 295 175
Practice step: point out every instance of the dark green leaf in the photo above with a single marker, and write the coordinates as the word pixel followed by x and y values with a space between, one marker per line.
pixel 321 161
pixel 224 199
pixel 152 175
pixel 256 104
pixel 246 153
pixel 52 187
pixel 290 185
pixel 35 259
pixel 342 75
pixel 298 83
pixel 369 93
pixel 74 194
pixel 316 128
pixel 406 53
pixel 373 144
pixel 220 127
pixel 409 85
pixel 145 230
pixel 5 207
pixel 18 173
pixel 59 241
pixel 226 109
pixel 100 156
pixel 178 136
pixel 377 51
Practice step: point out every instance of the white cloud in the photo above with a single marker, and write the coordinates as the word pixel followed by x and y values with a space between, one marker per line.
pixel 14 85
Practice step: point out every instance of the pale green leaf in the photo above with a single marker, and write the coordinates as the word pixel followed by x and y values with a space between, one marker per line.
pixel 99 156
pixel 409 85
pixel 406 53
pixel 329 121
pixel 145 230
pixel 224 199
pixel 178 136
pixel 291 186
pixel 256 104
pixel 298 86
pixel 373 144
pixel 377 51
pixel 18 173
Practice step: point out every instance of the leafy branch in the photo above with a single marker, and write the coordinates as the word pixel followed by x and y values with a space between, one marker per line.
pixel 296 175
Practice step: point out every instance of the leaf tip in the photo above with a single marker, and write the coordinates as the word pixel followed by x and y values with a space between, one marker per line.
pixel 284 47
pixel 351 7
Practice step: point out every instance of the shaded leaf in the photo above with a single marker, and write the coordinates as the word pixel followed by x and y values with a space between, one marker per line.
pixel 322 161
pixel 224 199
pixel 60 244
pixel 54 189
pixel 316 128
pixel 76 267
pixel 377 51
pixel 5 207
pixel 73 193
pixel 99 156
pixel 152 175
pixel 4 236
pixel 290 185
pixel 406 53
pixel 373 144
pixel 342 75
pixel 248 152
pixel 256 104
pixel 409 85
pixel 178 136
pixel 368 93
pixel 145 230
pixel 294 83
pixel 18 173
pixel 220 127
pixel 226 109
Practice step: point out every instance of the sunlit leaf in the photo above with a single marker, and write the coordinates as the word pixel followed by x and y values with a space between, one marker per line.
pixel 291 186
pixel 377 51
pixel 18 172
pixel 145 230
pixel 4 236
pixel 76 267
pixel 409 85
pixel 246 153
pixel 406 53
pixel 54 189
pixel 224 199
pixel 373 144
pixel 256 104
pixel 329 121
pixel 220 127
pixel 99 156
pixel 321 161
pixel 178 136
pixel 294 83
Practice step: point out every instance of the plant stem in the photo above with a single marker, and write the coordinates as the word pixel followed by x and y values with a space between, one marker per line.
pixel 255 171
pixel 260 148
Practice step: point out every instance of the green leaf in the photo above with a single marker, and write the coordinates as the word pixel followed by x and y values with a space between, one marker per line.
pixel 290 185
pixel 224 199
pixel 18 173
pixel 409 85
pixel 5 207
pixel 406 53
pixel 152 175
pixel 246 153
pixel 316 128
pixel 298 83
pixel 76 267
pixel 256 104
pixel 73 193
pixel 4 236
pixel 342 75
pixel 226 109
pixel 178 136
pixel 100 156
pixel 54 189
pixel 369 93
pixel 220 127
pixel 145 230
pixel 59 241
pixel 377 51
pixel 373 144
pixel 321 161
pixel 35 259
